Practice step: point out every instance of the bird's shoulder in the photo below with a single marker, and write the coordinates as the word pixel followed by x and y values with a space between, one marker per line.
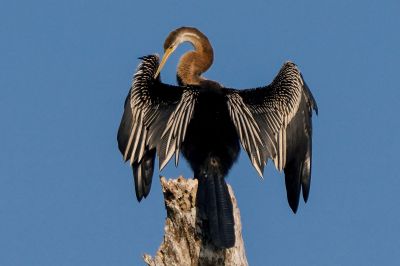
pixel 212 85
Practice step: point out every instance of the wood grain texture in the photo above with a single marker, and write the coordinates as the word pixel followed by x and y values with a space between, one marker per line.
pixel 186 240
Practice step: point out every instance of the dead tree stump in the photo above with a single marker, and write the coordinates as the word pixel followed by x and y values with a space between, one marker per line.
pixel 185 243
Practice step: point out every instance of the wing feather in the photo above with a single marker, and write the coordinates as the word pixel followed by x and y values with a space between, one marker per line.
pixel 247 128
pixel 275 122
pixel 154 122
pixel 175 129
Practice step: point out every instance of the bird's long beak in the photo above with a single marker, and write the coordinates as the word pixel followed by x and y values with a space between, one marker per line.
pixel 167 53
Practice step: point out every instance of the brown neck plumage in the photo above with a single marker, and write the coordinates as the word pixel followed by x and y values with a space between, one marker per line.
pixel 192 64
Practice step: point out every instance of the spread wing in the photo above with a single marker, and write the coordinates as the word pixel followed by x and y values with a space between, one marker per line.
pixel 155 119
pixel 275 122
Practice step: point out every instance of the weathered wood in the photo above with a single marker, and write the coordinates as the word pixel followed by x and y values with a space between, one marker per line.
pixel 185 243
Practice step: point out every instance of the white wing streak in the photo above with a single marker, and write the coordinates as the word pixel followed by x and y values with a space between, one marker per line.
pixel 175 130
pixel 247 128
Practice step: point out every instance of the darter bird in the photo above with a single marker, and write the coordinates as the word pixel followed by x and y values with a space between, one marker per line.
pixel 207 123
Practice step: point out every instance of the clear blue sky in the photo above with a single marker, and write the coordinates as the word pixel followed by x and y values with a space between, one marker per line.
pixel 66 198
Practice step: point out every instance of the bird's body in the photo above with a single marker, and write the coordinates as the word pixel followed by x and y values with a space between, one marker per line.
pixel 207 123
pixel 211 133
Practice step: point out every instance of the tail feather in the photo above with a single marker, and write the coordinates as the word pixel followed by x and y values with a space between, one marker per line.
pixel 225 214
pixel 215 203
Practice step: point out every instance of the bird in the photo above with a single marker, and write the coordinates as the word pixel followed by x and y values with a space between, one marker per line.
pixel 208 124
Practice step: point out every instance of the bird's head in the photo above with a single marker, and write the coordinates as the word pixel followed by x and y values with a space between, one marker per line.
pixel 175 38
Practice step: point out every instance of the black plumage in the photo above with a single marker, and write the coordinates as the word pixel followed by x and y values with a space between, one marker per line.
pixel 207 123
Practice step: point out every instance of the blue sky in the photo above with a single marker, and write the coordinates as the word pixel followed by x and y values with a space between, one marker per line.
pixel 66 198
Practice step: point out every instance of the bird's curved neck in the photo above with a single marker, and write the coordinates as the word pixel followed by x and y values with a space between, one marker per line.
pixel 192 64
